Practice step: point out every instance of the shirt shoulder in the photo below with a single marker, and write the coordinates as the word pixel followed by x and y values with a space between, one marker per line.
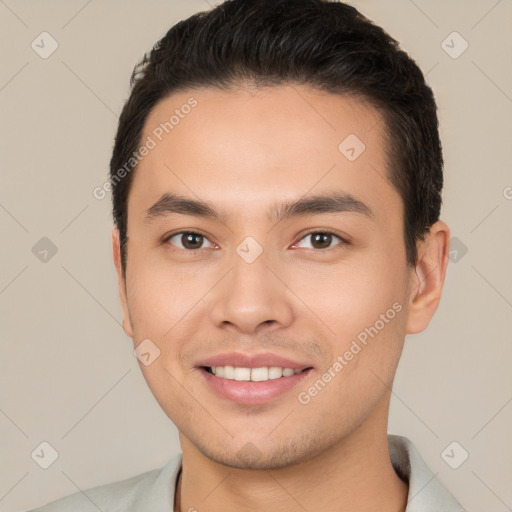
pixel 153 490
pixel 426 492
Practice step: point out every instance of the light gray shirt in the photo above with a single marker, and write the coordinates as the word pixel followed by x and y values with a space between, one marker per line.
pixel 154 491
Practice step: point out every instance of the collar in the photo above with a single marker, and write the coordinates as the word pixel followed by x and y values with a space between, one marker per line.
pixel 426 492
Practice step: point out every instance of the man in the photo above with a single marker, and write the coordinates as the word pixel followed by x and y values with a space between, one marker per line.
pixel 276 181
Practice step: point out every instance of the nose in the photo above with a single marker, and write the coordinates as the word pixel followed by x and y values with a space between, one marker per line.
pixel 252 297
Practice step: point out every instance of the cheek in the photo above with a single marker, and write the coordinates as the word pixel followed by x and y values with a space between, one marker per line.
pixel 160 296
pixel 363 306
pixel 349 298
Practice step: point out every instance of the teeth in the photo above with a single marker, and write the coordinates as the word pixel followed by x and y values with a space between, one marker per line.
pixel 258 374
pixel 229 372
pixel 242 373
pixel 253 374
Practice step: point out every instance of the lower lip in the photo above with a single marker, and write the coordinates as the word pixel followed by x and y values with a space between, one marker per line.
pixel 249 392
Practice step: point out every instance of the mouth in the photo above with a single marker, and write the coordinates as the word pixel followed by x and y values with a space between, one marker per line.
pixel 252 386
pixel 262 374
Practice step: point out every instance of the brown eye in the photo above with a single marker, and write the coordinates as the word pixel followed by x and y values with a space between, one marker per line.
pixel 188 240
pixel 321 239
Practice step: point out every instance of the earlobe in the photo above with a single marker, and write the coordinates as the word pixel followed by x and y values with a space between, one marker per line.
pixel 428 277
pixel 127 329
pixel 121 281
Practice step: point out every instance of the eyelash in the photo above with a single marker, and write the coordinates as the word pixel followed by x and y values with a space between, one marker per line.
pixel 315 231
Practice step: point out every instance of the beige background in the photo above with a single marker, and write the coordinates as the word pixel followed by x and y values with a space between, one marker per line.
pixel 68 372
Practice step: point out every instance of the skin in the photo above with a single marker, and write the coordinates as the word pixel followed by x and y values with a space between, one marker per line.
pixel 242 150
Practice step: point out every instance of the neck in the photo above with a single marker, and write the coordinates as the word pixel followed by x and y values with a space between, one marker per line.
pixel 354 474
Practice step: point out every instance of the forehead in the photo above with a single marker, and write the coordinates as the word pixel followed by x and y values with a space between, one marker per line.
pixel 243 149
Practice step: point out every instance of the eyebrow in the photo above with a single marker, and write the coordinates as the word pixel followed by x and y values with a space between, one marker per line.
pixel 333 202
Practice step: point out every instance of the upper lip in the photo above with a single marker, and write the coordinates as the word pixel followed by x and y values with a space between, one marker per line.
pixel 253 361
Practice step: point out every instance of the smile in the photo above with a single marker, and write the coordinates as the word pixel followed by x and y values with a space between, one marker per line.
pixel 251 374
pixel 251 386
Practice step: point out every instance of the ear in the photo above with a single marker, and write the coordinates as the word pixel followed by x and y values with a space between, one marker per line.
pixel 427 278
pixel 121 282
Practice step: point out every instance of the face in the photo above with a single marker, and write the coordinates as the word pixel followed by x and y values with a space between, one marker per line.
pixel 322 288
